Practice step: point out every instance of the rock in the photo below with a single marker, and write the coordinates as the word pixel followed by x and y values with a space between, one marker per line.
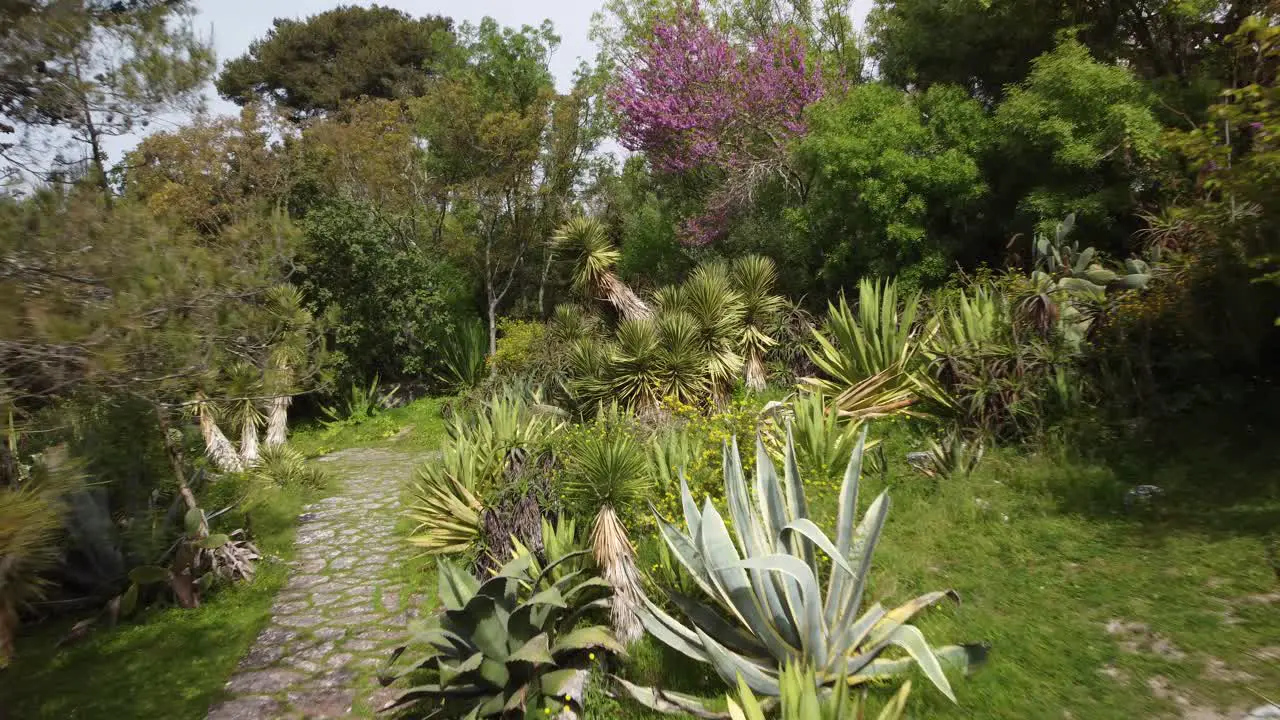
pixel 323 703
pixel 263 682
pixel 1270 710
pixel 245 708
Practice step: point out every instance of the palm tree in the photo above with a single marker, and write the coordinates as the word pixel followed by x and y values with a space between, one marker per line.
pixel 754 277
pixel 594 260
pixel 607 473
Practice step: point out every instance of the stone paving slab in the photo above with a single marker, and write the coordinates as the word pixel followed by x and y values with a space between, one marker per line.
pixel 338 615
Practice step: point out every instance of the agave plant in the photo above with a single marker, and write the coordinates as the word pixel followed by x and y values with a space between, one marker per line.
pixel 824 439
pixel 951 456
pixel 767 607
pixel 871 357
pixel 462 355
pixel 508 647
pixel 754 277
pixel 800 699
pixel 594 259
pixel 607 474
pixel 445 503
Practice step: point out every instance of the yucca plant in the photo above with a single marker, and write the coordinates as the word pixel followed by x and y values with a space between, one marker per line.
pixel 594 258
pixel 871 357
pixel 570 323
pixel 244 385
pixel 710 298
pixel 607 474
pixel 766 604
pixel 802 700
pixel 282 466
pixel 754 277
pixel 587 364
pixel 633 365
pixel 682 361
pixel 31 520
pixel 217 447
pixel 510 647
pixel 287 355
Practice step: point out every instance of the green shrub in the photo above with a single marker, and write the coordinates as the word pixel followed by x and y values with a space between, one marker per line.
pixel 521 348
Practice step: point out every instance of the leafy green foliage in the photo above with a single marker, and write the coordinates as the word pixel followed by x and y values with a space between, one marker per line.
pixel 318 64
pixel 606 466
pixel 1076 131
pixel 392 303
pixel 506 647
pixel 897 176
pixel 281 466
pixel 521 345
pixel 444 505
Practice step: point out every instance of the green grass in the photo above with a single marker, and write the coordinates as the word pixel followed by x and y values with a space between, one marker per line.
pixel 164 663
pixel 414 427
pixel 1044 556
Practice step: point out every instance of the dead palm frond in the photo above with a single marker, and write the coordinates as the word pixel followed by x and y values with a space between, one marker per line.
pixel 216 445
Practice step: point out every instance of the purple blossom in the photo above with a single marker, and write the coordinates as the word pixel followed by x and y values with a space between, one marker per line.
pixel 691 99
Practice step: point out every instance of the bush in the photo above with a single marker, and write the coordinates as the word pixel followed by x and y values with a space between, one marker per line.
pixel 521 350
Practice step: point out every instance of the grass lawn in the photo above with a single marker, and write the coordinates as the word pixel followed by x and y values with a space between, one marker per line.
pixel 1046 560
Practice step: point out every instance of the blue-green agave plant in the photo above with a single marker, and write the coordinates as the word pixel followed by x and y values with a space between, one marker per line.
pixel 765 605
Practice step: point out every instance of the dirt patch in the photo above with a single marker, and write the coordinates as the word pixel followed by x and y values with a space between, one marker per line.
pixel 1162 689
pixel 1217 670
pixel 1138 638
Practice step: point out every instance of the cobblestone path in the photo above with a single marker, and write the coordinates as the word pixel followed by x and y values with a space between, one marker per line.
pixel 338 615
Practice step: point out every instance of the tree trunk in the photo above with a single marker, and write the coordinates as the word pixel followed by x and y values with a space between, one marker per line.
pixel 622 297
pixel 617 560
pixel 493 327
pixel 176 462
pixel 249 441
pixel 217 446
pixel 542 283
pixel 754 372
pixel 278 421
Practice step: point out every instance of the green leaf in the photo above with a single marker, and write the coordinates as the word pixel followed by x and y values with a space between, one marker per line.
pixel 586 638
pixel 192 520
pixel 535 651
pixel 213 542
pixel 149 575
pixel 129 600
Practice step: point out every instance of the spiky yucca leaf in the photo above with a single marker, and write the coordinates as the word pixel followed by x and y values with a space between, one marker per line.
pixel 594 258
pixel 282 466
pixel 571 323
pixel 767 604
pixel 607 473
pixel 711 300
pixel 462 354
pixel 682 362
pixel 801 699
pixel 754 276
pixel 634 363
pixel 668 298
pixel 244 387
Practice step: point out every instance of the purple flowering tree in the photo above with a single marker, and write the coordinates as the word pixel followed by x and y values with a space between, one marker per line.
pixel 692 101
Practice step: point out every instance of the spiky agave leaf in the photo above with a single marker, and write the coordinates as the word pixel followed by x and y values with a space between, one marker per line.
pixel 668 298
pixel 754 276
pixel 764 582
pixel 871 357
pixel 445 505
pixel 594 258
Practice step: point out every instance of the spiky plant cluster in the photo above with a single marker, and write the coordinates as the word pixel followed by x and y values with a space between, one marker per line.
pixel 217 447
pixel 754 278
pixel 594 259
pixel 294 324
pixel 244 386
pixel 607 474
